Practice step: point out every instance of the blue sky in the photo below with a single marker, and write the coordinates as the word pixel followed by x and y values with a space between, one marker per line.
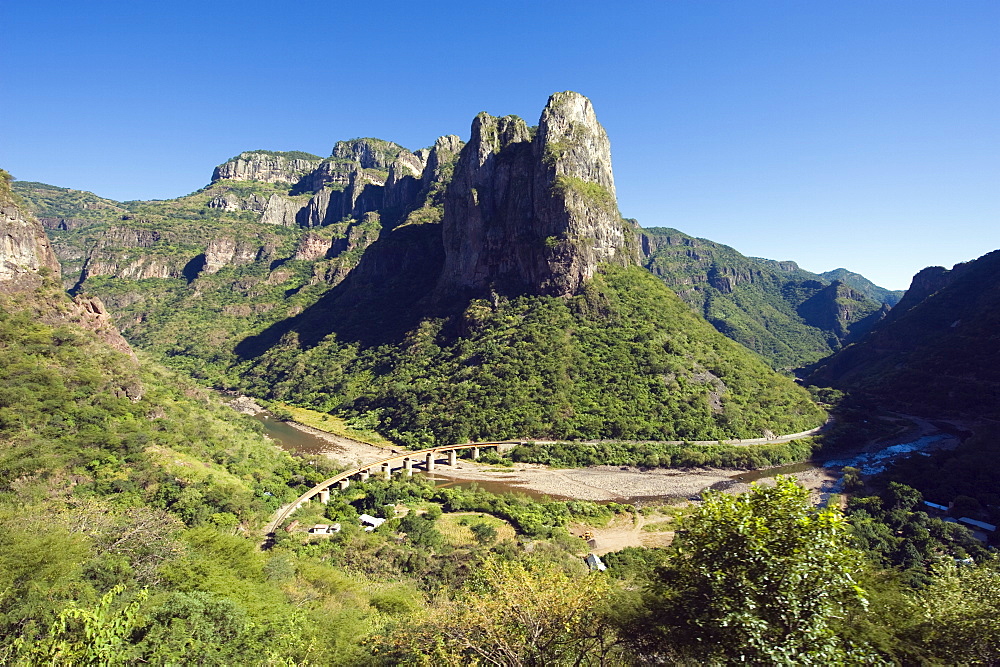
pixel 862 134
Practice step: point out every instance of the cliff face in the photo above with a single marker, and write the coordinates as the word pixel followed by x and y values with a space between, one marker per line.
pixel 25 251
pixel 266 166
pixel 535 213
pixel 26 255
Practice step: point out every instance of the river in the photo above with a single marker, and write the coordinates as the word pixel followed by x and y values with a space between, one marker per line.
pixel 293 439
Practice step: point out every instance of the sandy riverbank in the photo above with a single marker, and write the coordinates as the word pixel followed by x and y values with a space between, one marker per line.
pixel 598 483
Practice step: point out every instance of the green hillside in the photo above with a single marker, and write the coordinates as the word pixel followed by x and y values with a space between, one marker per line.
pixel 865 286
pixel 938 352
pixel 787 315
pixel 626 359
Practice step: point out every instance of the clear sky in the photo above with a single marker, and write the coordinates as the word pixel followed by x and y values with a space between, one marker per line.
pixel 862 134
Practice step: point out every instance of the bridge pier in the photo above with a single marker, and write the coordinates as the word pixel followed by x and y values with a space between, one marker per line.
pixel 344 483
pixel 387 470
pixel 363 475
pixel 475 453
pixel 324 496
pixel 408 467
pixel 430 461
pixel 453 457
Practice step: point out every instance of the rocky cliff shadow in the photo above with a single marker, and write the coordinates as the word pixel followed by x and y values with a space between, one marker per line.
pixel 385 296
pixel 193 268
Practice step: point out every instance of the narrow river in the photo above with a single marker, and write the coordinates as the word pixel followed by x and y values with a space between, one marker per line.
pixel 293 439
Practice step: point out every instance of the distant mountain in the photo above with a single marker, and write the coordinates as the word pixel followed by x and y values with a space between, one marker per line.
pixel 487 289
pixel 789 316
pixel 937 352
pixel 865 286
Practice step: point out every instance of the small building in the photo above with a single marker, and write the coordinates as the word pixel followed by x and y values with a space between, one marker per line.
pixel 370 522
pixel 594 563
pixel 978 524
pixel 320 529
pixel 292 526
pixel 940 508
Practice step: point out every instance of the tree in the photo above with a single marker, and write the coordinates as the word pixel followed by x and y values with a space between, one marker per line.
pixel 97 635
pixel 959 615
pixel 757 577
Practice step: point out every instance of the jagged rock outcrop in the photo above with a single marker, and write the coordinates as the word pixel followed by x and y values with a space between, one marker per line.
pixel 230 201
pixel 115 254
pixel 280 211
pixel 266 166
pixel 925 283
pixel 533 214
pixel 226 251
pixel 26 254
pixel 133 267
pixel 370 153
pixel 364 193
pixel 64 224
pixel 312 246
pixel 25 251
pixel 441 162
pixel 90 313
pixel 130 237
pixel 350 157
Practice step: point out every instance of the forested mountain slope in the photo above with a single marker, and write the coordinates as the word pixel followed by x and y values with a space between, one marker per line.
pixel 125 492
pixel 938 350
pixel 787 315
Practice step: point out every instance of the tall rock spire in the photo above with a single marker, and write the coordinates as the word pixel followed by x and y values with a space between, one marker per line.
pixel 533 212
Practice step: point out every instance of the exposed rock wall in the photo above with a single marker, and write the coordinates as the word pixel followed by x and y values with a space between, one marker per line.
pixel 25 251
pixel 534 214
pixel 270 168
pixel 280 211
pixel 90 313
pixel 225 251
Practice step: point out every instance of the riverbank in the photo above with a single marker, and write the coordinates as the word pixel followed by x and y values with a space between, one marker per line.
pixel 628 484
pixel 598 483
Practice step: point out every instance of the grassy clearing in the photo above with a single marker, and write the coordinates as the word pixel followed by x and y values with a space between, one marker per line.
pixel 659 527
pixel 328 423
pixel 455 527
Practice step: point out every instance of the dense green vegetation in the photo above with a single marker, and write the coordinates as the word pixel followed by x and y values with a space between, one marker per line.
pixel 789 316
pixel 937 352
pixel 626 359
pixel 53 201
pixel 131 502
pixel 125 494
pixel 665 455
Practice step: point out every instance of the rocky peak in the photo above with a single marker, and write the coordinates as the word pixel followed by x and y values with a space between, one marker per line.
pixel 441 159
pixel 369 153
pixel 267 166
pixel 574 143
pixel 533 213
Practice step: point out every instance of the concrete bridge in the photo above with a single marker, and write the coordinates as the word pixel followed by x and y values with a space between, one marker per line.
pixel 423 459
